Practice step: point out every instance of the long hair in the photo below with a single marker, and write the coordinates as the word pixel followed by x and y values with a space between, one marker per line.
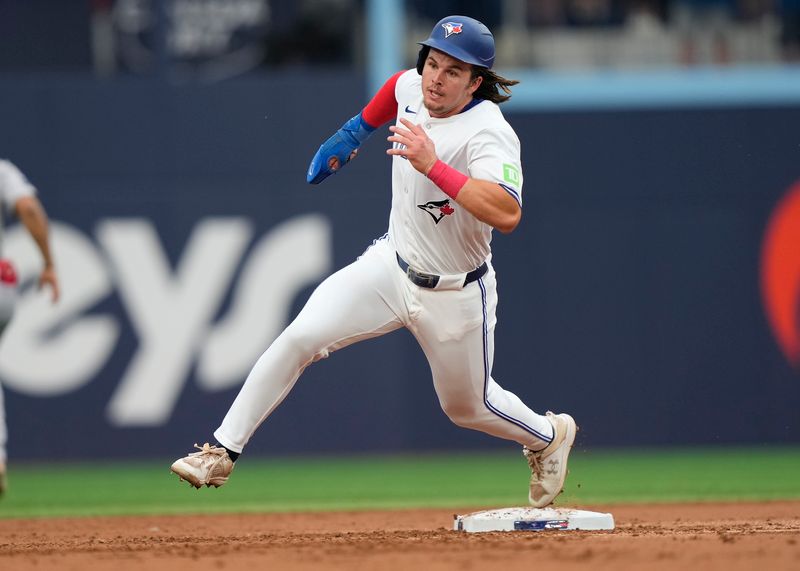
pixel 491 85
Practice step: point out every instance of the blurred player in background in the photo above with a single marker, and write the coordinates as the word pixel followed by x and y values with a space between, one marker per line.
pixel 456 176
pixel 18 198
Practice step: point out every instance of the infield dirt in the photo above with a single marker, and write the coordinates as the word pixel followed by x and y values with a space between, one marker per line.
pixel 718 536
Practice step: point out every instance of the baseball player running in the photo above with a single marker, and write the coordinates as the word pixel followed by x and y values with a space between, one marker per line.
pixel 456 175
pixel 18 196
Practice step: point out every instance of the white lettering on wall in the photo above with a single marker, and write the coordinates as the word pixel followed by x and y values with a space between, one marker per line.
pixel 284 261
pixel 170 310
pixel 49 350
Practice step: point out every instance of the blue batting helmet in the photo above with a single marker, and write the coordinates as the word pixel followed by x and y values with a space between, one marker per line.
pixel 461 37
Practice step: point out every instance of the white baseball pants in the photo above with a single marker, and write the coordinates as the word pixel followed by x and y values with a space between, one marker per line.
pixel 371 297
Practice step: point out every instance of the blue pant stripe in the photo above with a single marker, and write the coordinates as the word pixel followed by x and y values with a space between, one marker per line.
pixel 502 415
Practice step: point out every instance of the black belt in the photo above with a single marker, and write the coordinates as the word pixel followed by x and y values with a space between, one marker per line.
pixel 430 280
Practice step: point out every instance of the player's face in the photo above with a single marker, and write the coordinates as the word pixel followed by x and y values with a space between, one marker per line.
pixel 447 84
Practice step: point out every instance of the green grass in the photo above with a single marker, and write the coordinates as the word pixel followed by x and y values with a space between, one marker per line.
pixel 354 483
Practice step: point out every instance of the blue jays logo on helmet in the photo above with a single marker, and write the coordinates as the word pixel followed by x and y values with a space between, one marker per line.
pixel 451 28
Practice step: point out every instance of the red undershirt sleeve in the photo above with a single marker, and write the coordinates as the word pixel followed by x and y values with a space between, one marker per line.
pixel 383 106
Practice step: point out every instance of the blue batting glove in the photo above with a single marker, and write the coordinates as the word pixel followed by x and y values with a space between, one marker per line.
pixel 346 140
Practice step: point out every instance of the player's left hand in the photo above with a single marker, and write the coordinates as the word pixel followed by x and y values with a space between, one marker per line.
pixel 49 277
pixel 418 148
pixel 333 162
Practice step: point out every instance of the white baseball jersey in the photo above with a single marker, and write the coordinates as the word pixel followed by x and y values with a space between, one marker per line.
pixel 430 231
pixel 13 186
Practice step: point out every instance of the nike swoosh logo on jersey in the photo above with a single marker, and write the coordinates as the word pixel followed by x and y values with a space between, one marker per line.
pixel 410 110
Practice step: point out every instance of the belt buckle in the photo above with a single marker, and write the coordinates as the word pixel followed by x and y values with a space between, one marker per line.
pixel 420 278
pixel 426 280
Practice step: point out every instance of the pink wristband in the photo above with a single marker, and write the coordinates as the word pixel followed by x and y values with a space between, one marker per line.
pixel 447 178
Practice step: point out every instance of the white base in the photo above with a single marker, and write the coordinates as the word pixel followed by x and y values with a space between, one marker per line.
pixel 533 519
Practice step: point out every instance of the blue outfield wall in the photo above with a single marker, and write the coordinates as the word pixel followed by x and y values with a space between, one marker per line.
pixel 187 238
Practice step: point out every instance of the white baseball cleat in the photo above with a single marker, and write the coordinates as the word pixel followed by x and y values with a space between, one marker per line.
pixel 210 467
pixel 549 466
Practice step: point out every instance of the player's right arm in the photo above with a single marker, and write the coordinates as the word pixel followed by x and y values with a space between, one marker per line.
pixel 33 216
pixel 343 145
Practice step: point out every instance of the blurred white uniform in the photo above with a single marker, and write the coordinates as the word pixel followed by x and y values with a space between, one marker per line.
pixel 13 186
pixel 452 316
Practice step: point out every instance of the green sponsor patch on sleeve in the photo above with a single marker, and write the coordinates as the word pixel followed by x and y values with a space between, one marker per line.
pixel 510 174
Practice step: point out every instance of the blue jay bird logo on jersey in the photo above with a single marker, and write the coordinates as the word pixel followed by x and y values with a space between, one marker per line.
pixel 451 28
pixel 438 209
